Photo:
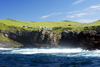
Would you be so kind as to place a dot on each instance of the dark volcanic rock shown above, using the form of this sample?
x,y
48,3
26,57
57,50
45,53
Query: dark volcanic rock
x,y
45,38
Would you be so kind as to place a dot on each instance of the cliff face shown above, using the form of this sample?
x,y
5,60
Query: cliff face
x,y
86,39
44,38
38,38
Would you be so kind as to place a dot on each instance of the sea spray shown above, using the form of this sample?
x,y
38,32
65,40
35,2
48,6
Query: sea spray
x,y
48,57
56,51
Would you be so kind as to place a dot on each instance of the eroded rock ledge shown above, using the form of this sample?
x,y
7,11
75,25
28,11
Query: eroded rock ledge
x,y
44,38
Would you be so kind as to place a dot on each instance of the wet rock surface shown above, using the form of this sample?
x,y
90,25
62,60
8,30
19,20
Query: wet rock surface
x,y
88,40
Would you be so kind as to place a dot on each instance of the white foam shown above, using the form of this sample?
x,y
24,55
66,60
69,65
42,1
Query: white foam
x,y
7,48
42,50
75,52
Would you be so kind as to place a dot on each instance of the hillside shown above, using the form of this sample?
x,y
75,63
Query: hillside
x,y
8,43
23,35
11,24
96,23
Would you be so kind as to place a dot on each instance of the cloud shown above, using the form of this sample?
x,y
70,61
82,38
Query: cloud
x,y
80,14
92,8
71,16
73,12
79,1
43,17
87,11
95,7
77,15
86,14
58,13
86,20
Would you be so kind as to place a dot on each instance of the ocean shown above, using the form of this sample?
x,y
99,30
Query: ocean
x,y
48,57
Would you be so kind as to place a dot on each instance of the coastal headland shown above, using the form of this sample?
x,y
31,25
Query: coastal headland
x,y
85,36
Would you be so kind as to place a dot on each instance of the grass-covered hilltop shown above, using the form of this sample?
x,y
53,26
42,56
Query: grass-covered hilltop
x,y
11,24
15,33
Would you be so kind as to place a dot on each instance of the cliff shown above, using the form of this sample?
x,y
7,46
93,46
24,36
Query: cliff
x,y
44,38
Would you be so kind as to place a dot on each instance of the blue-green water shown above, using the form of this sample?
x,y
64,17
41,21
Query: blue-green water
x,y
51,57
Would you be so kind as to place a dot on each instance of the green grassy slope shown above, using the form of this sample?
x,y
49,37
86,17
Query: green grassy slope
x,y
96,23
8,43
11,24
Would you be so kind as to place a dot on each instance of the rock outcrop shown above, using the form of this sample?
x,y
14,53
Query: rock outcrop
x,y
85,39
44,38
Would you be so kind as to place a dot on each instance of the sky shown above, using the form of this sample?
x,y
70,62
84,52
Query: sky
x,y
85,11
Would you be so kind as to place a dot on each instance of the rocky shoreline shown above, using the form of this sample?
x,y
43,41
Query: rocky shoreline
x,y
88,40
9,45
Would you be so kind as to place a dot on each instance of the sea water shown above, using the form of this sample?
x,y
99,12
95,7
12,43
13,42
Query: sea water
x,y
48,57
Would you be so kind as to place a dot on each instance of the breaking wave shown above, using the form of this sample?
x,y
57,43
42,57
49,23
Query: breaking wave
x,y
54,51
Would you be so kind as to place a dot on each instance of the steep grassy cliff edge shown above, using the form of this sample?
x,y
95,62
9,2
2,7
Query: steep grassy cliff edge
x,y
14,33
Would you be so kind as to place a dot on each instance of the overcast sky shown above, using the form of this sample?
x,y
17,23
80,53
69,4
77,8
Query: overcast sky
x,y
51,10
